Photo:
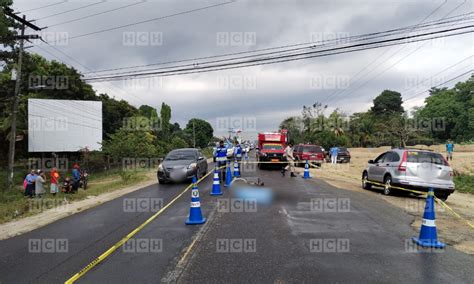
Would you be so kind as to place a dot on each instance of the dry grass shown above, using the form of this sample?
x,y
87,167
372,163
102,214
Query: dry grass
x,y
451,229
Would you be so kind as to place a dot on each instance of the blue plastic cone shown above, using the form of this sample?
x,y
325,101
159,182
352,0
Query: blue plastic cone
x,y
216,184
306,170
195,214
428,235
236,169
228,175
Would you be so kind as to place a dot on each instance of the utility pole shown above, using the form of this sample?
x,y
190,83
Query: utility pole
x,y
22,37
194,136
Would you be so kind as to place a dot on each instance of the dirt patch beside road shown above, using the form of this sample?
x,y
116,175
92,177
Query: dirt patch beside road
x,y
451,229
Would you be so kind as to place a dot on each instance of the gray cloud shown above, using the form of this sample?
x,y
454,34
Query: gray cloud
x,y
268,93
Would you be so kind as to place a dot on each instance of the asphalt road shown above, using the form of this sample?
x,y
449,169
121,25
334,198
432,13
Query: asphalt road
x,y
311,232
93,231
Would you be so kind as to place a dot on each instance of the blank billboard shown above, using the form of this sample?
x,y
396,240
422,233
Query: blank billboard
x,y
64,125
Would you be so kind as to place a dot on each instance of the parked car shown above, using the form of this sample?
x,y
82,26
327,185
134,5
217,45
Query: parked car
x,y
182,164
343,156
312,153
410,168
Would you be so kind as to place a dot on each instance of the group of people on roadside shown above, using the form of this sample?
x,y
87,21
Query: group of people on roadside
x,y
220,154
34,182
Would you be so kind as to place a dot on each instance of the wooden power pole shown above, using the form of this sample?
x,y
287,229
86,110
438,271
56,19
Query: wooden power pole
x,y
11,150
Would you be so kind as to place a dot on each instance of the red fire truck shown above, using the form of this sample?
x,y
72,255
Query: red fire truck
x,y
271,146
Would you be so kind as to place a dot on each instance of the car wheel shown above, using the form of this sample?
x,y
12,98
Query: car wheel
x,y
443,196
161,181
387,189
365,181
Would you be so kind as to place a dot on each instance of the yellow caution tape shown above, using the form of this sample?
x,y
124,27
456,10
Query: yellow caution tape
x,y
108,252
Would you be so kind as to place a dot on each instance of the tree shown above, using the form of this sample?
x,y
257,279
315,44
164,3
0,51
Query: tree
x,y
165,117
294,126
200,131
6,32
387,103
131,144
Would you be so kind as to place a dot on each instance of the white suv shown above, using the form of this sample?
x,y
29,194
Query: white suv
x,y
410,168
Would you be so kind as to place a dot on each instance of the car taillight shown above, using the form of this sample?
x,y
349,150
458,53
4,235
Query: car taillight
x,y
403,164
445,161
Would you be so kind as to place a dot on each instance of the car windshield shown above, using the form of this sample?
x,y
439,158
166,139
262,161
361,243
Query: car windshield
x,y
425,157
312,149
180,155
342,149
272,147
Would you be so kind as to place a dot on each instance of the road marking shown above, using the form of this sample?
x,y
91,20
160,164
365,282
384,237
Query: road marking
x,y
173,275
108,252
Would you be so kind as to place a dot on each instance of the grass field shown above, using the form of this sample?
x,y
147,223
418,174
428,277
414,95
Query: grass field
x,y
14,205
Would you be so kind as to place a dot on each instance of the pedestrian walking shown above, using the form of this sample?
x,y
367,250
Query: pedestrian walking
x,y
288,154
333,152
54,176
449,150
39,184
30,184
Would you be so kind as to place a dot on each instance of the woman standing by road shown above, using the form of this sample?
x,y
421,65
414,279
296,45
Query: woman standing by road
x,y
39,187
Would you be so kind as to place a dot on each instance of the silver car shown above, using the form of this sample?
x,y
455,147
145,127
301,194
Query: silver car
x,y
410,168
182,164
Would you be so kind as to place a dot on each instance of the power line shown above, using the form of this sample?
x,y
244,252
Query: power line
x,y
68,122
338,92
72,10
398,40
457,18
111,86
441,84
312,46
439,72
41,7
96,14
152,20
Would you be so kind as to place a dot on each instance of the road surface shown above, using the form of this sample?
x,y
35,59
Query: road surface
x,y
311,232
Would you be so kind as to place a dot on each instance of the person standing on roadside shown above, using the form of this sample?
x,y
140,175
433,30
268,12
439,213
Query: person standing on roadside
x,y
39,181
221,159
76,178
288,154
238,153
333,152
30,184
449,150
54,175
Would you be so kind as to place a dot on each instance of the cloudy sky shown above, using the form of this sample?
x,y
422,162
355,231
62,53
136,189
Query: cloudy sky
x,y
256,97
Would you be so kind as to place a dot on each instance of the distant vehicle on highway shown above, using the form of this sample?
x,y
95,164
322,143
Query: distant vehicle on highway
x,y
343,156
271,146
182,164
410,168
309,152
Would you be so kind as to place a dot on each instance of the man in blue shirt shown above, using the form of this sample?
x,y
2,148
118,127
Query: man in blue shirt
x,y
221,159
449,149
333,152
30,184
